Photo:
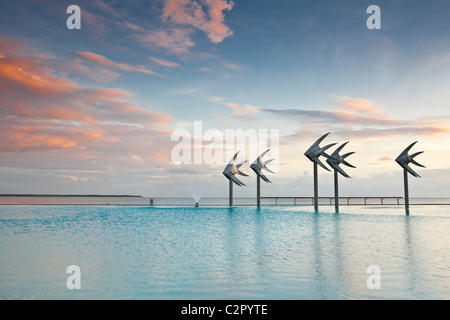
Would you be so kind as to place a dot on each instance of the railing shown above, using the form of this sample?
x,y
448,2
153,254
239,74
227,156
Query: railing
x,y
332,199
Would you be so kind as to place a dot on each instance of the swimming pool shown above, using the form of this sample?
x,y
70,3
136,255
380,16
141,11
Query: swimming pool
x,y
132,252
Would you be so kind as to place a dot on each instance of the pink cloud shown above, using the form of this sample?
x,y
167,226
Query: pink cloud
x,y
76,67
114,65
43,112
238,110
10,47
207,16
174,40
358,105
181,18
358,118
165,63
27,74
242,110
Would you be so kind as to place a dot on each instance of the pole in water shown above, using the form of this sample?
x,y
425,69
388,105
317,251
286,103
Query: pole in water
x,y
258,191
258,166
336,191
334,161
313,154
230,200
403,160
405,184
230,172
316,189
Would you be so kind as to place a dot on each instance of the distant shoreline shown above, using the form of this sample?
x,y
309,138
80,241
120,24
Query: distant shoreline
x,y
70,195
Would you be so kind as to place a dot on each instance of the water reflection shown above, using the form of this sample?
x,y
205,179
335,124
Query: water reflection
x,y
329,268
224,253
318,266
260,239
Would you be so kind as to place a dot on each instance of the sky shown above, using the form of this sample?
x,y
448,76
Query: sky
x,y
95,110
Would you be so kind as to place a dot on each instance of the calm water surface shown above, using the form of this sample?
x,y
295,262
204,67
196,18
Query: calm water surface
x,y
132,252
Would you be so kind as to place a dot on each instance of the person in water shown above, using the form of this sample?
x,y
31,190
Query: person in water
x,y
196,205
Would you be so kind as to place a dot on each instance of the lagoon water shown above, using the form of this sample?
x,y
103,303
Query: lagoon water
x,y
142,252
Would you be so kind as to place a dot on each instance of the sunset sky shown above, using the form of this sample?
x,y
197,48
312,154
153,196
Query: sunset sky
x,y
92,111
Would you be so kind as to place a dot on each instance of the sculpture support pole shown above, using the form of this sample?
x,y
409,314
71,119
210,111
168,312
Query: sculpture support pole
x,y
316,197
230,201
258,191
405,182
336,191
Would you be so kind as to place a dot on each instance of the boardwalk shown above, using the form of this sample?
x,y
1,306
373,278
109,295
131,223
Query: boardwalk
x,y
342,200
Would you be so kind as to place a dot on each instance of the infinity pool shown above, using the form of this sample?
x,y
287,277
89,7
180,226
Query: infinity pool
x,y
126,252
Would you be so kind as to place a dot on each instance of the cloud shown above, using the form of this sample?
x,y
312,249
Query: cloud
x,y
30,74
230,66
209,70
242,110
206,15
44,113
137,158
97,58
165,63
102,18
18,56
173,40
76,67
181,18
221,69
438,60
238,110
216,99
358,105
357,118
10,47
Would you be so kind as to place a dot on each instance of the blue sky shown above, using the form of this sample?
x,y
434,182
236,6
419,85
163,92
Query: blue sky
x,y
138,70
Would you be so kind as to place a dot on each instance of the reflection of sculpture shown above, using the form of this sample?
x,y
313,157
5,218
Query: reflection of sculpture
x,y
334,161
403,160
258,166
230,172
313,154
